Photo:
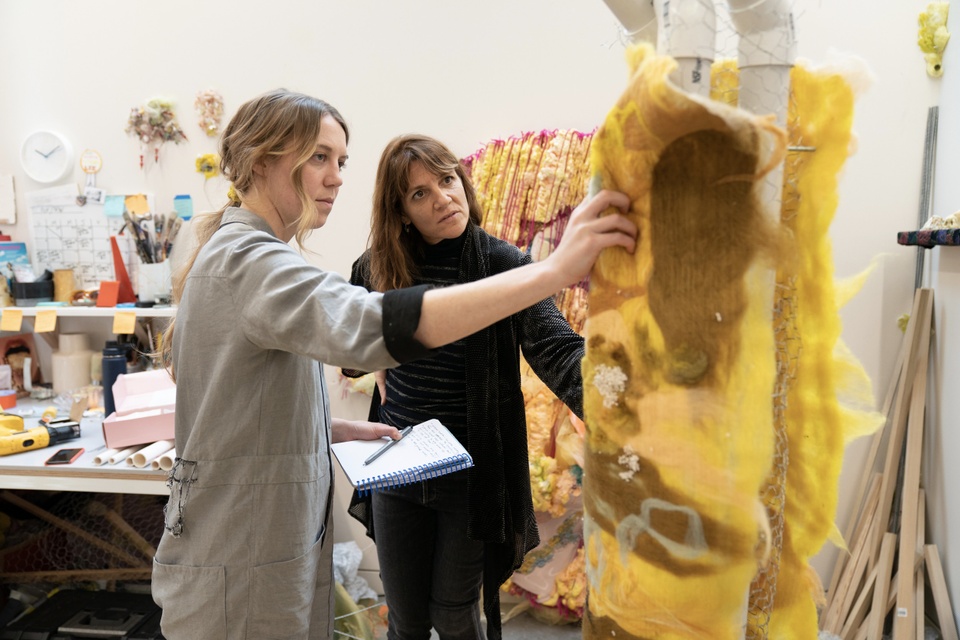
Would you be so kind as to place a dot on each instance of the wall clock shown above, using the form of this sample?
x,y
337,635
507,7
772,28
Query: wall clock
x,y
46,156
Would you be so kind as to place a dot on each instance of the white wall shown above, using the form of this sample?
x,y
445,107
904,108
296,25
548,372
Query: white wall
x,y
942,441
466,73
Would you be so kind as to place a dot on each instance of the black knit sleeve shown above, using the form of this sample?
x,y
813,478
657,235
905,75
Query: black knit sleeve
x,y
401,316
553,350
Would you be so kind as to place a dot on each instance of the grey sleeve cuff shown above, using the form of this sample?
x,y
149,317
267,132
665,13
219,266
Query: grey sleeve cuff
x,y
401,316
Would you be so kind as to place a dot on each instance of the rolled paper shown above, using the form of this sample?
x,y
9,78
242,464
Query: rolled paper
x,y
125,454
104,456
146,455
165,461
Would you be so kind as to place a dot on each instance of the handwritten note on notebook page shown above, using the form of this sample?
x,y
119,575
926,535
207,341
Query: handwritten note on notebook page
x,y
428,451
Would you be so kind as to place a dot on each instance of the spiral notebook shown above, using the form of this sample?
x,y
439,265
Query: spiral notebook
x,y
428,451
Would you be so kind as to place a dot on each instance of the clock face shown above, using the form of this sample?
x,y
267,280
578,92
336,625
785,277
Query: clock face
x,y
46,156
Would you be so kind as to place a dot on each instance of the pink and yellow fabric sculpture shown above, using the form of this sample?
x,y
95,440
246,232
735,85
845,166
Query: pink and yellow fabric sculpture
x,y
682,365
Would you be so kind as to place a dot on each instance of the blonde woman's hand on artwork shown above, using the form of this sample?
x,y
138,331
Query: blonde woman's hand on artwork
x,y
343,430
590,231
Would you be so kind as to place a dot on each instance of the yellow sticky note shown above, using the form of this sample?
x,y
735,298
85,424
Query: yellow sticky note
x,y
137,204
11,320
124,321
46,321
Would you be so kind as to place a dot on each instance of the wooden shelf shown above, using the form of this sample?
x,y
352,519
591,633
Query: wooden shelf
x,y
100,312
929,238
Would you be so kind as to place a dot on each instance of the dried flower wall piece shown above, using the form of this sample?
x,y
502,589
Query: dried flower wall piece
x,y
154,123
209,107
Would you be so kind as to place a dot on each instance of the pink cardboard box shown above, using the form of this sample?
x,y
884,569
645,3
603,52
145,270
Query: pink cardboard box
x,y
145,407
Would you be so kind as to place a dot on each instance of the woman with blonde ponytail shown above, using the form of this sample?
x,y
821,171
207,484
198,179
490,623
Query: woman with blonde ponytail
x,y
247,542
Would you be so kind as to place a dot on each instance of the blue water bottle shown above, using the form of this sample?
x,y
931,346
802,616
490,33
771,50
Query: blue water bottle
x,y
114,363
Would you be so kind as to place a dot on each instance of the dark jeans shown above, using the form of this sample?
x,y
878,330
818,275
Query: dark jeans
x,y
431,571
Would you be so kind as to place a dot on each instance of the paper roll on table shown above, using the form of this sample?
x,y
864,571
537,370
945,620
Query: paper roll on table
x,y
104,456
125,454
165,461
146,455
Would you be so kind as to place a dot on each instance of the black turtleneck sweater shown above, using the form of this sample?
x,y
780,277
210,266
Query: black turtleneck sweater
x,y
434,387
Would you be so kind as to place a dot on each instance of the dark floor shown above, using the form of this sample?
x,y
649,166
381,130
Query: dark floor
x,y
525,627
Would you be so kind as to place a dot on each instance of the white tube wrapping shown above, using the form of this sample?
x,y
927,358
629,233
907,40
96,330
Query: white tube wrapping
x,y
638,18
766,31
687,32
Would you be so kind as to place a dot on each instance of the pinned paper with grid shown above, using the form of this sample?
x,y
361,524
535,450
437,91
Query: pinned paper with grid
x,y
428,451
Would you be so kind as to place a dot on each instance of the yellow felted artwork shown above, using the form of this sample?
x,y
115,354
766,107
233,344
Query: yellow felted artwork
x,y
679,367
718,396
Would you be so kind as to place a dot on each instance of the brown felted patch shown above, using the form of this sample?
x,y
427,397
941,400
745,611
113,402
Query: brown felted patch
x,y
705,228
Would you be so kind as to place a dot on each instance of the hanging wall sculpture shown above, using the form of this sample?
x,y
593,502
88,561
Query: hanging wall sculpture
x,y
209,107
712,359
528,186
933,36
154,124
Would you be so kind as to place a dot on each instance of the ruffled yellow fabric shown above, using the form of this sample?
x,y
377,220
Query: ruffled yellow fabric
x,y
830,400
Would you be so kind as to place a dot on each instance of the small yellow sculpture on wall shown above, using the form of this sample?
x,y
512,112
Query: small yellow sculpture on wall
x,y
933,36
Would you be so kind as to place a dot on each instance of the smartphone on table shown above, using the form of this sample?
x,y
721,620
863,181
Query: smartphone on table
x,y
65,456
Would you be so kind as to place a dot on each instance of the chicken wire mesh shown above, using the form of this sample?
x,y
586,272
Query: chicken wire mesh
x,y
66,538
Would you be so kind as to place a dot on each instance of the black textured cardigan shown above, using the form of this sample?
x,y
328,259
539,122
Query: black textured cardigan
x,y
500,505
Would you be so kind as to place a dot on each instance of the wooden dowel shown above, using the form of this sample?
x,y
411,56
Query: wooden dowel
x,y
921,573
904,620
878,610
941,597
869,476
859,610
846,590
921,309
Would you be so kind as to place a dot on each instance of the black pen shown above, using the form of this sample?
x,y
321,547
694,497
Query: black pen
x,y
379,452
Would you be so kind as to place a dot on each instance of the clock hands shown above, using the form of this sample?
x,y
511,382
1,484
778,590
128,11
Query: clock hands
x,y
49,153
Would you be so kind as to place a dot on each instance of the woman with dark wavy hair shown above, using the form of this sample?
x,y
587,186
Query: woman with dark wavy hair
x,y
439,541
